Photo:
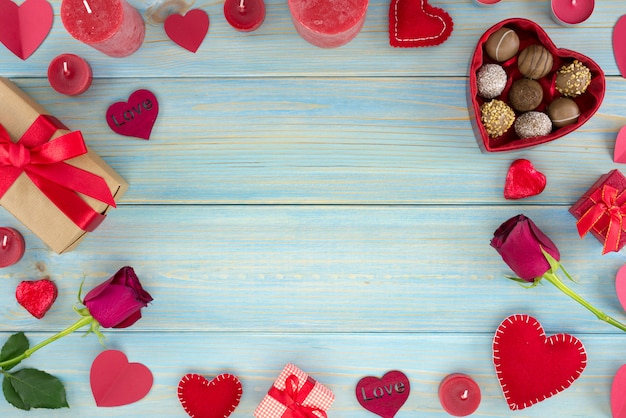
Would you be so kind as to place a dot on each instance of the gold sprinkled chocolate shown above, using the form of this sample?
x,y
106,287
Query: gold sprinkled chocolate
x,y
497,117
573,79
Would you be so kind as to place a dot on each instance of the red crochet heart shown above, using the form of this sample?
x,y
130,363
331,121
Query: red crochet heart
x,y
215,399
414,23
522,180
532,367
36,296
531,33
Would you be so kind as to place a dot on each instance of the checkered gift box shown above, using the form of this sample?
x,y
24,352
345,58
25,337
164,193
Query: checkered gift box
x,y
295,395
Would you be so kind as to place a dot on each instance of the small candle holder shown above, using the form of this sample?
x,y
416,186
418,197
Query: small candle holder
x,y
156,11
69,74
12,246
459,395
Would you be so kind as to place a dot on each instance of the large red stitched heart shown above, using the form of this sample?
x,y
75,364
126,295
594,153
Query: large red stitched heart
x,y
189,30
23,28
414,23
215,399
532,367
36,296
531,33
523,180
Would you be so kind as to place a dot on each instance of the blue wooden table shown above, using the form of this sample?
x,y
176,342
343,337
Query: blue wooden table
x,y
329,208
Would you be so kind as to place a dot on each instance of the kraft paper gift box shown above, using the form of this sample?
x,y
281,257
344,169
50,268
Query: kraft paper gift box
x,y
43,166
295,394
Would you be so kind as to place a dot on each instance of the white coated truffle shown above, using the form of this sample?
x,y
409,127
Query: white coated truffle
x,y
491,80
532,124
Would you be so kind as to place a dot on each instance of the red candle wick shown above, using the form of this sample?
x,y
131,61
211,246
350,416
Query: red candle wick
x,y
5,242
87,6
241,5
573,2
465,395
66,70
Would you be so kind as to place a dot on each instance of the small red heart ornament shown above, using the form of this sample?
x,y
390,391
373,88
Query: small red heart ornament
x,y
189,30
530,33
415,23
36,296
532,367
619,44
383,396
618,393
115,381
523,180
23,28
136,117
215,399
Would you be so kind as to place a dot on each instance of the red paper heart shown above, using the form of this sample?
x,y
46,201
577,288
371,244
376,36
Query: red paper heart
x,y
531,33
620,286
619,152
215,399
23,28
618,394
188,31
36,296
135,117
383,396
115,381
532,367
415,23
619,44
522,180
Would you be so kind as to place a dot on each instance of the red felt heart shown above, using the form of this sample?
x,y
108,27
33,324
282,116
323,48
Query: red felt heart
x,y
532,367
189,30
522,180
383,396
36,296
531,33
23,28
215,399
415,23
115,382
619,44
135,117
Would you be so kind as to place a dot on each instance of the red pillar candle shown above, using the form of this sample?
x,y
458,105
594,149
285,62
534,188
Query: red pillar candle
x,y
12,246
244,15
328,23
69,74
113,27
459,395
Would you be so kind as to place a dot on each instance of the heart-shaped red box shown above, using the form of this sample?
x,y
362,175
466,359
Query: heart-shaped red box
x,y
531,33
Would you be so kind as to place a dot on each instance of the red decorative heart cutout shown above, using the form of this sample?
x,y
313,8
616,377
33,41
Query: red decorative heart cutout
x,y
523,180
619,44
135,117
115,381
415,23
532,367
620,286
36,296
619,152
618,393
531,33
23,28
383,396
189,30
215,399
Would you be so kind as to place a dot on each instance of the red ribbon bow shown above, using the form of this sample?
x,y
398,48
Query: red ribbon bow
x,y
608,212
292,398
43,159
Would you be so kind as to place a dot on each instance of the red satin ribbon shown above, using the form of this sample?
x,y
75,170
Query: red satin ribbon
x,y
292,398
43,159
608,212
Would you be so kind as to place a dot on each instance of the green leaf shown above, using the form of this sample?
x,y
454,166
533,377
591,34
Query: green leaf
x,y
38,388
11,395
15,346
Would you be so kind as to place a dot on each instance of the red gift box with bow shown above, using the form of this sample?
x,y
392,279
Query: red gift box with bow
x,y
601,211
49,180
295,395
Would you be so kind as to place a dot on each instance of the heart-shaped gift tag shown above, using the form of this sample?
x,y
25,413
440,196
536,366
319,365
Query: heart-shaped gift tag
x,y
383,396
523,180
23,28
189,30
415,23
115,381
36,296
530,33
135,117
215,399
532,367
618,393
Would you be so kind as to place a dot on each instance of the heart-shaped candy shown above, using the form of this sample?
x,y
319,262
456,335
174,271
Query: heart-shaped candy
x,y
415,23
523,180
619,46
530,33
136,117
36,296
532,367
23,28
215,399
383,396
115,381
189,30
618,393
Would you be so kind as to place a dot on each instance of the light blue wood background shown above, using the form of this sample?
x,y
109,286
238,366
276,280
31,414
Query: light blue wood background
x,y
329,208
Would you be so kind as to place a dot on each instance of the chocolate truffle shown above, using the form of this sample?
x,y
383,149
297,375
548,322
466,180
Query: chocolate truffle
x,y
563,111
573,79
502,44
535,62
490,80
497,117
532,124
525,94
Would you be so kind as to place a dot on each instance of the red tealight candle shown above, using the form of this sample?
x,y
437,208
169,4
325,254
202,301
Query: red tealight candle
x,y
69,74
12,246
459,395
571,12
113,27
486,2
244,15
